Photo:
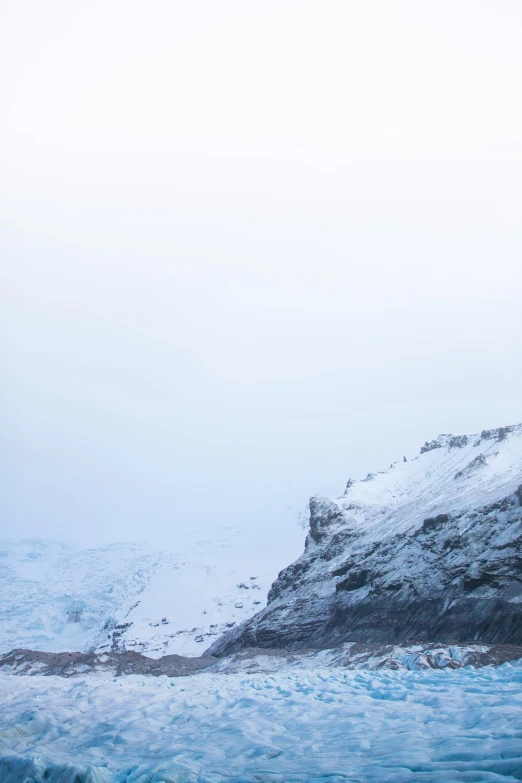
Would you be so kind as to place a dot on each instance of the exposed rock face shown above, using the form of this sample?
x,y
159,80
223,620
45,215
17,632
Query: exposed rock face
x,y
429,550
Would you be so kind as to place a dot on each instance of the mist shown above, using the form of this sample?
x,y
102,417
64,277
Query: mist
x,y
249,251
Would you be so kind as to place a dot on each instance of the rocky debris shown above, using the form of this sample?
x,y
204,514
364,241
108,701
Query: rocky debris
x,y
118,643
475,464
357,655
351,655
73,664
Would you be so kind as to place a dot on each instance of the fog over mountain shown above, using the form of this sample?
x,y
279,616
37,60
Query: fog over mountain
x,y
253,255
248,250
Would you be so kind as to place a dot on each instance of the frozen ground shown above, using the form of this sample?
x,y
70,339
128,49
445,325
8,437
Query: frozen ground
x,y
287,727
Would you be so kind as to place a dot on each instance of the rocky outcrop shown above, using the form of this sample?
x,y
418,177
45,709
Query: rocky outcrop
x,y
429,550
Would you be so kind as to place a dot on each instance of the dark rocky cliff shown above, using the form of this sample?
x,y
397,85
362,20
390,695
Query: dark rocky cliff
x,y
429,550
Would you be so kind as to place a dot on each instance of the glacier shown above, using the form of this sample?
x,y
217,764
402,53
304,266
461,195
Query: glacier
x,y
328,725
174,599
390,650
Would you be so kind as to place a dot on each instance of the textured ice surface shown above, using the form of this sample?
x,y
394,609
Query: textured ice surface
x,y
323,725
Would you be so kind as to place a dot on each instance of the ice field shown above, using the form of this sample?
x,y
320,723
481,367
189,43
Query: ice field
x,y
287,727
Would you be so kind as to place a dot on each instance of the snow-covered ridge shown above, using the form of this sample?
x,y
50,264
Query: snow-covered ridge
x,y
458,441
453,471
429,549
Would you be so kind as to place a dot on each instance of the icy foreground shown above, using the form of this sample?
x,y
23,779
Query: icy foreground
x,y
290,727
428,550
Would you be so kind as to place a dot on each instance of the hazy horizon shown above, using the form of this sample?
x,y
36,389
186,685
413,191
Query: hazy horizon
x,y
249,251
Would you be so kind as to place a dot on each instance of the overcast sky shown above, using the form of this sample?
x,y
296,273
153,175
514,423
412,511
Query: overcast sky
x,y
249,250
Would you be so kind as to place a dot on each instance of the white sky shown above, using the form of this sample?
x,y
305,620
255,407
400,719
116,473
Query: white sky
x,y
249,249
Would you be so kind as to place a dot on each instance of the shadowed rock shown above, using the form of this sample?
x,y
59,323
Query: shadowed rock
x,y
378,573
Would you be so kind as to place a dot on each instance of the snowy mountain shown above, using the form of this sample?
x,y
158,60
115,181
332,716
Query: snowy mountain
x,y
59,597
428,550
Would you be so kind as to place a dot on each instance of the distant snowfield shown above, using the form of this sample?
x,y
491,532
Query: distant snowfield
x,y
288,727
176,599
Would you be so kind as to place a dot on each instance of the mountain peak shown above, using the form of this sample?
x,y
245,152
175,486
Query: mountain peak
x,y
430,548
458,441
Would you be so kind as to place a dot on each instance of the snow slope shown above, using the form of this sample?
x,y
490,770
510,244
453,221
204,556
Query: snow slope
x,y
58,597
428,550
332,726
